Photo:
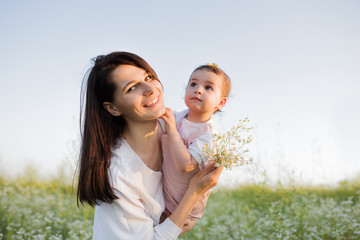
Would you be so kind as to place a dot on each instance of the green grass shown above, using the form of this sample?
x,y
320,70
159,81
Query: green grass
x,y
35,209
261,212
42,210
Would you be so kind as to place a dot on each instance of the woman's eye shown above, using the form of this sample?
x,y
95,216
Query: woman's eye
x,y
148,78
131,88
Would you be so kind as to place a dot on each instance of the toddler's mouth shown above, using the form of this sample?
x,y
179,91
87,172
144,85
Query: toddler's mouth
x,y
196,98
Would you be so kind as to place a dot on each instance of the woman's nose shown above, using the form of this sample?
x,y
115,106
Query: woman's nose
x,y
148,89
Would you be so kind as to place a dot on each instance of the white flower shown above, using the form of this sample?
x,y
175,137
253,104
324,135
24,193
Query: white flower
x,y
228,147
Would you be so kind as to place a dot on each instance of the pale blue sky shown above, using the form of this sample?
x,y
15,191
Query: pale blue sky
x,y
294,67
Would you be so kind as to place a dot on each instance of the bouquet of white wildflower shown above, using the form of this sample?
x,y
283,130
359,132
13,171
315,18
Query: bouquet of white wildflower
x,y
228,148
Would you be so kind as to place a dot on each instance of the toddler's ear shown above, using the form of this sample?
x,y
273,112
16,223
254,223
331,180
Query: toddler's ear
x,y
222,103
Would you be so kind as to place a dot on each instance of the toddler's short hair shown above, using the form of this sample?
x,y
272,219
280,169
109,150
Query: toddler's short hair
x,y
226,87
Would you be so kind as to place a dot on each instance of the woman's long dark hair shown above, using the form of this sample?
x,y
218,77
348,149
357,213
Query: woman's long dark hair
x,y
100,130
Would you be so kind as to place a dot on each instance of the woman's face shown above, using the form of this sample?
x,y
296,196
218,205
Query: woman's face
x,y
138,97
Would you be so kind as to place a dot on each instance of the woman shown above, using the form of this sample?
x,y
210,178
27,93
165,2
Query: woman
x,y
120,158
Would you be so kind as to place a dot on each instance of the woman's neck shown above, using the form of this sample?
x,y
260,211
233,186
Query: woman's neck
x,y
144,139
141,132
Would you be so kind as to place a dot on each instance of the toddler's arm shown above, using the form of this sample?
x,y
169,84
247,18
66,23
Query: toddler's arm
x,y
183,159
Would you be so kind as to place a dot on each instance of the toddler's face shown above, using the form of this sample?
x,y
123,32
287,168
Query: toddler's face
x,y
204,92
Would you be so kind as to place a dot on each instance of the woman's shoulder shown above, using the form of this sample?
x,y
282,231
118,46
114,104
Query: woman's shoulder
x,y
131,177
118,151
122,168
123,160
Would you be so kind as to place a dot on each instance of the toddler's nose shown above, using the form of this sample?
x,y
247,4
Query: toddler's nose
x,y
198,91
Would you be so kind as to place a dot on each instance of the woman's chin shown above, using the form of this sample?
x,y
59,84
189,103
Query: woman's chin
x,y
162,111
158,113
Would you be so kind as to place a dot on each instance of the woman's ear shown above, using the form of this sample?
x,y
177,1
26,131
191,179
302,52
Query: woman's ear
x,y
112,109
222,103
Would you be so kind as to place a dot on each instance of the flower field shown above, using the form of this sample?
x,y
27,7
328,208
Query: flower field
x,y
31,209
259,212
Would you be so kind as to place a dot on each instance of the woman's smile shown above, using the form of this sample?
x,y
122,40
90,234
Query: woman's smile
x,y
152,102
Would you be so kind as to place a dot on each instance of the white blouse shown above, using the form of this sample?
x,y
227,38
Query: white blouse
x,y
136,212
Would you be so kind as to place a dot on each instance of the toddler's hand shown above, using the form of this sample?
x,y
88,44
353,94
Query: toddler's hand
x,y
169,120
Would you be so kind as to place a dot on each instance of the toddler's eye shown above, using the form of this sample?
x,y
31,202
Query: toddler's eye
x,y
192,84
208,88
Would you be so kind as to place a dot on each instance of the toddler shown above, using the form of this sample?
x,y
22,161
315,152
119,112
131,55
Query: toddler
x,y
188,132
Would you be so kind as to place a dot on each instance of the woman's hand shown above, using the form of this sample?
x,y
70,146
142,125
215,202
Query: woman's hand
x,y
200,183
205,179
